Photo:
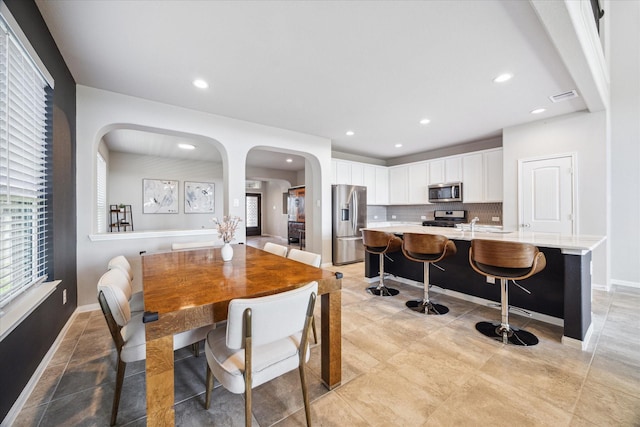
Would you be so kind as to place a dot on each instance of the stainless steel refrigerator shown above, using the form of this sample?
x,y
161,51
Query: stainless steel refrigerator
x,y
349,215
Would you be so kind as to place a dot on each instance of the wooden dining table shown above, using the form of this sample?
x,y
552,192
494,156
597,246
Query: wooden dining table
x,y
192,288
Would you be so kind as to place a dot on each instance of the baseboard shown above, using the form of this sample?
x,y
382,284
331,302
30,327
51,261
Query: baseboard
x,y
625,283
26,391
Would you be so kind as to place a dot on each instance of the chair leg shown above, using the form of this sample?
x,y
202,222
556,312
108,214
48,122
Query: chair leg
x,y
425,305
116,397
209,386
305,394
195,348
381,290
313,328
247,405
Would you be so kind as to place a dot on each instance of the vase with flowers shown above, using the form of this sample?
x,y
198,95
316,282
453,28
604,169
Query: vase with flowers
x,y
226,231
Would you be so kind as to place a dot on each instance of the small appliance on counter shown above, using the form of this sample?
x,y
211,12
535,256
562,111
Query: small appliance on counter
x,y
349,216
446,219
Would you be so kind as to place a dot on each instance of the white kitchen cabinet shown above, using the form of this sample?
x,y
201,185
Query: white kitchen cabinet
x,y
398,185
436,171
445,170
418,176
482,177
343,172
382,186
472,178
493,180
357,173
453,169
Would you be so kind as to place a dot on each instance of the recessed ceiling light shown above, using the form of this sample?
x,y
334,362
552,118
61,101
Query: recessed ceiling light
x,y
538,110
289,160
503,78
350,133
425,121
398,145
187,146
200,84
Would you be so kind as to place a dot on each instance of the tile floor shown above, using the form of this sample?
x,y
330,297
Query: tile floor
x,y
400,368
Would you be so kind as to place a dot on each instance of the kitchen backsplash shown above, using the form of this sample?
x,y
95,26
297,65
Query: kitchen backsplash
x,y
413,213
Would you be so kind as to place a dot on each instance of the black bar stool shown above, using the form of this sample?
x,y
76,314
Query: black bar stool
x,y
381,243
508,261
427,249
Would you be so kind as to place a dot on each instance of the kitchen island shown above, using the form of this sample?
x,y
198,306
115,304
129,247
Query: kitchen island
x,y
562,291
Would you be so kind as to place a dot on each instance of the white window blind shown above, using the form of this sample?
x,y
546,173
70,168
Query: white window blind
x,y
101,194
24,123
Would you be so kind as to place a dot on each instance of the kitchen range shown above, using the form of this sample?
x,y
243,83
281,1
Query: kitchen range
x,y
446,219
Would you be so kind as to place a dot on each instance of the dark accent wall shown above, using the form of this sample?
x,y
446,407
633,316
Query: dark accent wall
x,y
23,349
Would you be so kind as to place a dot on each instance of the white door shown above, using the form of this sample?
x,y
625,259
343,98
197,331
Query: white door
x,y
546,195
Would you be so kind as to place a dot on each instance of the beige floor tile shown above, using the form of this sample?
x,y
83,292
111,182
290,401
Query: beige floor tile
x,y
605,406
383,398
483,401
328,411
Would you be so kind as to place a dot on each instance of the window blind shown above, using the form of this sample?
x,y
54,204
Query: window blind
x,y
101,194
25,123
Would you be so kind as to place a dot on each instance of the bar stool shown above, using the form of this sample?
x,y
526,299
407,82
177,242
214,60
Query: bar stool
x,y
381,243
427,249
508,261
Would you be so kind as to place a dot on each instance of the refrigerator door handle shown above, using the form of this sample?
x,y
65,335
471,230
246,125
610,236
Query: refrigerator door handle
x,y
354,220
350,238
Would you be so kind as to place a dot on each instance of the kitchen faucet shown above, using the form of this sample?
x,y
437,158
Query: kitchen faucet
x,y
473,223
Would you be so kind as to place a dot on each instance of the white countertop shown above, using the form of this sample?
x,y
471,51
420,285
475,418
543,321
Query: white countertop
x,y
568,243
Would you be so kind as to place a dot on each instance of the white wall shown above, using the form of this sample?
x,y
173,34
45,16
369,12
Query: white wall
x,y
624,60
580,133
126,172
100,111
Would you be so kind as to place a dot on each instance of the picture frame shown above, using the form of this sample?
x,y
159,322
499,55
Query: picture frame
x,y
159,196
199,197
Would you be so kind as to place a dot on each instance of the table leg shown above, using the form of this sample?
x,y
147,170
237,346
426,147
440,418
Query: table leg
x,y
159,371
331,341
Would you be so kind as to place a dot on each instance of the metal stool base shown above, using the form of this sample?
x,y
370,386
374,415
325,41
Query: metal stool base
x,y
515,336
382,291
427,307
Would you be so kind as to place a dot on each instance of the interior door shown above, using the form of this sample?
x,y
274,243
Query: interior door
x,y
254,214
546,195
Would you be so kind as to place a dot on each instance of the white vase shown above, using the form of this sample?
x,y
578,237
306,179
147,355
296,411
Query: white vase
x,y
226,252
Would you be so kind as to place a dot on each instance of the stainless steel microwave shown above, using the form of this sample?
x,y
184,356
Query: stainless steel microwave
x,y
450,192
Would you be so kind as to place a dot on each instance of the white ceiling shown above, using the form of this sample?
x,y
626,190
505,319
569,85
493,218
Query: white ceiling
x,y
325,67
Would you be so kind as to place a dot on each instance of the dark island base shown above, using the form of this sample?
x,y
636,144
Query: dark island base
x,y
561,290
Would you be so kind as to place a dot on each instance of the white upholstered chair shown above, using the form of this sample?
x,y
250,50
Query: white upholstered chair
x,y
276,249
314,260
195,245
128,331
305,257
264,338
136,299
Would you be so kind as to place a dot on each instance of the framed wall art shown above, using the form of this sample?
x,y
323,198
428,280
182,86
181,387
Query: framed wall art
x,y
159,196
199,197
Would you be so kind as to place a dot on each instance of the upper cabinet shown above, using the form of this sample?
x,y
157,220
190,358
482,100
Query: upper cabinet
x,y
480,173
448,169
482,177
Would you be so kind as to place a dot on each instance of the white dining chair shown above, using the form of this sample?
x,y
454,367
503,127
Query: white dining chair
x,y
264,338
127,330
136,299
195,245
314,260
275,249
305,257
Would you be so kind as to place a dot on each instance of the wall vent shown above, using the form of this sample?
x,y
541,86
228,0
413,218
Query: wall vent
x,y
564,96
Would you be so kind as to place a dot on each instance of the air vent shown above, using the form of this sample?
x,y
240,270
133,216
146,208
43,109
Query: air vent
x,y
564,96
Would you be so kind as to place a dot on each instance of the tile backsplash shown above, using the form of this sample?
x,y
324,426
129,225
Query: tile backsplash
x,y
413,213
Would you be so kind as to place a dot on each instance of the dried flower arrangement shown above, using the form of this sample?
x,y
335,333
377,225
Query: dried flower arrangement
x,y
227,227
